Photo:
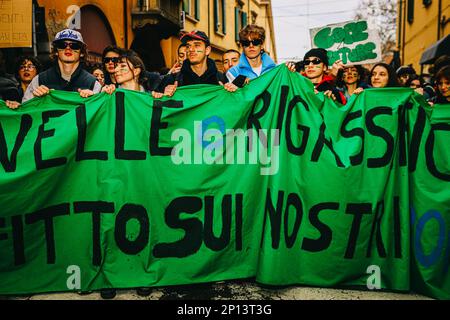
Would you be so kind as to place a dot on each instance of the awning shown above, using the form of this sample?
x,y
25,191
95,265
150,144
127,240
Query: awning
x,y
436,50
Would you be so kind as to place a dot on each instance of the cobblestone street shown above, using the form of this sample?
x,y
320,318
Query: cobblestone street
x,y
236,290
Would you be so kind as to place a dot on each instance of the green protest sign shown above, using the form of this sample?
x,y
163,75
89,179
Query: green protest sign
x,y
352,42
272,181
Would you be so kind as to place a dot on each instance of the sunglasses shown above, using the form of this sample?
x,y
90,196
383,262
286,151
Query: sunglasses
x,y
313,61
246,43
27,67
111,59
61,45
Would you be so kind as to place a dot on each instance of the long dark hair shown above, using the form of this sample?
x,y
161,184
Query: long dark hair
x,y
111,48
392,80
130,56
442,73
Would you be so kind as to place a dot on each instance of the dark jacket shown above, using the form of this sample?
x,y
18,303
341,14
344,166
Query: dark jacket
x,y
152,82
326,84
188,77
438,99
81,79
8,89
344,91
108,80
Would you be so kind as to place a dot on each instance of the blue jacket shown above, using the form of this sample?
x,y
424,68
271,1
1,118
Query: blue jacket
x,y
244,68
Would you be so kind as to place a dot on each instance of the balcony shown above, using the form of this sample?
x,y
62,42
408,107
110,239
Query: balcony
x,y
162,13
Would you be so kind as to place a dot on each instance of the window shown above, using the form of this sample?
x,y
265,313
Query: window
x,y
240,20
410,11
191,7
219,16
254,17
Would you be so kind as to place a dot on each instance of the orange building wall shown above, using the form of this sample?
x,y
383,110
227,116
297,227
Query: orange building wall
x,y
56,17
423,31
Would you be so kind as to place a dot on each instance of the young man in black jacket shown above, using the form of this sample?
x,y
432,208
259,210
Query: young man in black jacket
x,y
69,51
198,67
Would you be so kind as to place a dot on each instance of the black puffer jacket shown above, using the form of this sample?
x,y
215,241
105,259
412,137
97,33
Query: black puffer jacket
x,y
188,77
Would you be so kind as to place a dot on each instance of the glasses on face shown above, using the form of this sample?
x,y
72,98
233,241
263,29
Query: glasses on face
x,y
27,67
61,45
315,61
255,43
114,60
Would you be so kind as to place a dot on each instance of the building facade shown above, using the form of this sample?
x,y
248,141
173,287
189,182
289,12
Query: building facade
x,y
420,24
222,20
150,27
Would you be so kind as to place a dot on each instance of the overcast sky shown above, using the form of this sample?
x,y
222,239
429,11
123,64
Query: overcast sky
x,y
293,19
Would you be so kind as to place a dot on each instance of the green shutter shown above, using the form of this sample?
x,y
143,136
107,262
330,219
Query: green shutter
x,y
224,17
244,19
216,15
186,6
236,24
197,10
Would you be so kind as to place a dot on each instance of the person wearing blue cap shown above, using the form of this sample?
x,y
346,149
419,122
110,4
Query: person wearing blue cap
x,y
67,74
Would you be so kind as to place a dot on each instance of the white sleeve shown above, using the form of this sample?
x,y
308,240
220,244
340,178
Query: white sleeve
x,y
31,87
97,87
230,76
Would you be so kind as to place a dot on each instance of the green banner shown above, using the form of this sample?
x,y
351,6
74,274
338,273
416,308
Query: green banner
x,y
272,181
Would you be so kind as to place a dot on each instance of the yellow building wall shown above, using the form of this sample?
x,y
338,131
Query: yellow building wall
x,y
423,32
220,42
56,17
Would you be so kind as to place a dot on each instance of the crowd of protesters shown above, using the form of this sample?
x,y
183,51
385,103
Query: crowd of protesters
x,y
123,68
342,81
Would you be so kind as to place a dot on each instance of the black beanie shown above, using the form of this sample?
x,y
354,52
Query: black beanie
x,y
319,53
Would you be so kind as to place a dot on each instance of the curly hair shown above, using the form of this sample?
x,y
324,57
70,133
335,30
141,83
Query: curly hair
x,y
252,30
21,60
362,73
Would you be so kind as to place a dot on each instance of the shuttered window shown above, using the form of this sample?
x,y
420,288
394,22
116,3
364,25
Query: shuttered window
x,y
220,16
410,9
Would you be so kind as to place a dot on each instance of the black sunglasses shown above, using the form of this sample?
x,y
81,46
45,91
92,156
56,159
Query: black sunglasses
x,y
72,45
313,61
246,43
111,59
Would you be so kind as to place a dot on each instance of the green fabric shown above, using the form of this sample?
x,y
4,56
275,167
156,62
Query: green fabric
x,y
337,206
